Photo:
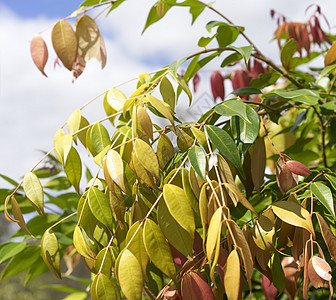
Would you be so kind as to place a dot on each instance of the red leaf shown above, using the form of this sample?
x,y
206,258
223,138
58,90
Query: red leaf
x,y
217,85
272,12
39,53
196,82
269,289
298,168
285,178
57,63
178,257
78,67
314,33
257,69
194,287
239,79
305,39
321,267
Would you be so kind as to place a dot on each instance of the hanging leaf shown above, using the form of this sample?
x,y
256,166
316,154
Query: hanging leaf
x,y
213,233
176,235
158,249
241,198
114,169
167,92
34,192
73,168
101,56
81,245
99,139
161,108
165,150
51,253
321,267
217,85
258,163
263,233
62,144
232,276
298,168
200,136
233,107
225,145
100,207
39,53
194,287
74,121
198,161
141,172
147,157
18,216
328,236
65,43
117,201
103,288
323,194
104,262
145,121
179,207
137,246
293,214
88,37
314,278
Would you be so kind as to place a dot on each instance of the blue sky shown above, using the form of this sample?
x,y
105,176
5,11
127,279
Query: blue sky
x,y
45,8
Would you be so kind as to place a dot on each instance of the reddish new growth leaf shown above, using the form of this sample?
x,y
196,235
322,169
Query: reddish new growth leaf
x,y
298,168
217,85
39,53
194,287
78,67
256,69
269,289
285,178
57,63
241,78
196,82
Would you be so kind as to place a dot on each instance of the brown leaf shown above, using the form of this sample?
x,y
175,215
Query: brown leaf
x,y
257,69
305,38
258,163
314,33
217,85
298,168
65,43
196,82
314,278
39,53
321,267
330,57
78,67
194,287
328,236
290,268
287,180
305,260
101,56
18,215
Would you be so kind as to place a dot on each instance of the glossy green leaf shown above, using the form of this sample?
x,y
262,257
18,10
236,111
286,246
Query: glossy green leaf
x,y
100,207
233,107
323,194
247,132
226,34
332,180
9,250
184,86
277,272
179,207
137,246
51,253
286,54
167,92
34,191
304,96
188,189
99,139
104,288
198,161
176,235
73,168
225,145
158,249
117,201
130,275
245,52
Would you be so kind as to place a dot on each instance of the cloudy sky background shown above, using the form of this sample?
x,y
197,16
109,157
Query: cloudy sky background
x,y
33,107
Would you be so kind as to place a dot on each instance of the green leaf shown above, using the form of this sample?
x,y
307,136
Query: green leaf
x,y
51,253
104,262
165,150
247,91
226,34
130,275
158,249
246,132
176,64
331,178
167,92
198,161
104,289
99,139
100,207
231,59
60,183
21,262
233,107
245,52
277,272
62,144
183,85
34,192
80,244
73,168
286,54
323,194
11,249
225,145
114,169
304,96
159,105
204,41
74,121
153,15
176,235
137,246
179,207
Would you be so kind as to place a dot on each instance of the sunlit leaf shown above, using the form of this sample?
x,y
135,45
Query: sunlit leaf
x,y
167,92
39,53
158,249
321,267
293,214
73,168
328,236
34,192
323,194
161,108
80,244
330,57
198,161
65,43
147,157
51,253
165,150
104,288
145,121
232,276
213,233
114,169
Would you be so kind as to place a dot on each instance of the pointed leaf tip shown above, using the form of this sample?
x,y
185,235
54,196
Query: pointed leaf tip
x,y
39,53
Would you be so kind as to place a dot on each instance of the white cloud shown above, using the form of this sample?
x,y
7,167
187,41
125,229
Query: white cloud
x,y
32,107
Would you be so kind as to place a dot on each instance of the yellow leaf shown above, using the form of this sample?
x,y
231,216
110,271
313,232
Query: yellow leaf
x,y
293,214
328,236
165,150
81,245
213,233
232,276
147,157
34,191
50,252
145,122
263,233
161,108
114,169
331,55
